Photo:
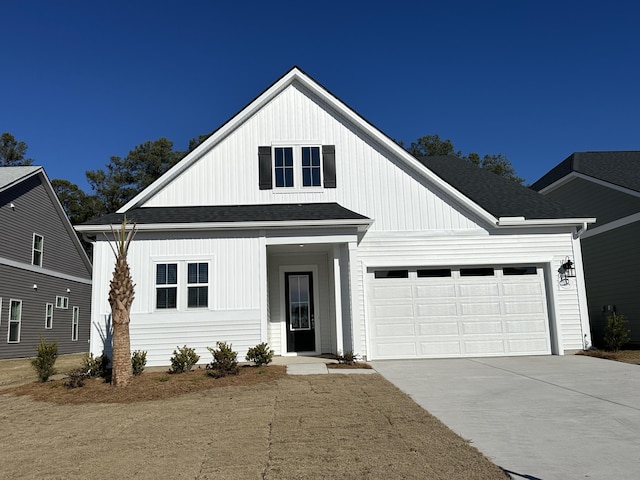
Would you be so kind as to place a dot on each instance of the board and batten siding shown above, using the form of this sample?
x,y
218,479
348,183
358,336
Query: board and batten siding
x,y
233,313
547,250
370,181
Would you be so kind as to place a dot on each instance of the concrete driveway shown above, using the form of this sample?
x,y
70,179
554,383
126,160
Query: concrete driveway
x,y
548,418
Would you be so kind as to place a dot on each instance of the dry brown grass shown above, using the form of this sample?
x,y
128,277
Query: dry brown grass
x,y
627,356
357,365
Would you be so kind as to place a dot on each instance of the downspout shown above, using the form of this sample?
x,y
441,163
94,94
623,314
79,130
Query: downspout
x,y
581,286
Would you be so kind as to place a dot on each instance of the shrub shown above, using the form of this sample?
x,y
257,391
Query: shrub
x,y
225,361
260,354
183,359
77,377
616,333
97,366
46,359
348,358
138,361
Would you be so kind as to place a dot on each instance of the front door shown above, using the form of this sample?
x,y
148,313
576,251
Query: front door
x,y
301,336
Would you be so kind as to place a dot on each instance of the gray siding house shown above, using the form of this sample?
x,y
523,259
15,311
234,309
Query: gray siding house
x,y
607,186
45,275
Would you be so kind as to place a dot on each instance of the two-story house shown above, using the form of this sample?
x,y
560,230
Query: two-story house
x,y
300,224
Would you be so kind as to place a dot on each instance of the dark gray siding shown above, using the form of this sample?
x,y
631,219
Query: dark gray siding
x,y
35,212
18,284
596,200
612,276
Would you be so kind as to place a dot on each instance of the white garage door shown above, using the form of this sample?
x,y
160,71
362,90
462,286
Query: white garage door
x,y
463,312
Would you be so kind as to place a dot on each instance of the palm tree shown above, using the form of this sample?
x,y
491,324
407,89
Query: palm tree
x,y
121,296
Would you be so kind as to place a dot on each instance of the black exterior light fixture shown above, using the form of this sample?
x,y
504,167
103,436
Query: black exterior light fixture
x,y
566,271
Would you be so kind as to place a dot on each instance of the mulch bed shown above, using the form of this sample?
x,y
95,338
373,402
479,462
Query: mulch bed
x,y
627,356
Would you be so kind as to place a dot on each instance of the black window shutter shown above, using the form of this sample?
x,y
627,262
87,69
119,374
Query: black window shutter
x,y
264,168
329,165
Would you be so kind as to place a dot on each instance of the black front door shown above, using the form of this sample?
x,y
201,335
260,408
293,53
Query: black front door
x,y
301,336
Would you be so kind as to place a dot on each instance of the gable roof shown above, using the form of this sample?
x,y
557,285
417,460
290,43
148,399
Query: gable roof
x,y
618,168
497,195
10,176
229,216
313,89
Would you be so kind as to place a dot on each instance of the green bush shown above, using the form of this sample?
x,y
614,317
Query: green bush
x,y
348,358
97,366
616,333
183,359
76,379
225,361
138,361
260,354
46,359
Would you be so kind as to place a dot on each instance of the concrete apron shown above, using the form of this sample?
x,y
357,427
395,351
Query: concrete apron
x,y
302,365
539,418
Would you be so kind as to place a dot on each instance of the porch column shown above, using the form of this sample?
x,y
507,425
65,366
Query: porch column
x,y
354,300
262,274
337,292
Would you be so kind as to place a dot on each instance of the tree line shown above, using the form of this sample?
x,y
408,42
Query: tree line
x,y
124,177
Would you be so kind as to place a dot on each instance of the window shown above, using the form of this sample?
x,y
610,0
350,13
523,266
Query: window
x,y
62,302
48,316
310,166
74,324
391,274
15,319
36,257
284,167
197,285
167,285
476,272
519,271
434,272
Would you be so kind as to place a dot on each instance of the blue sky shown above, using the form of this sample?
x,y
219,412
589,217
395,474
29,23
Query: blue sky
x,y
536,80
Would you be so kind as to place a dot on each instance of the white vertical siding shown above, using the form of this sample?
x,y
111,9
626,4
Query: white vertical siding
x,y
369,180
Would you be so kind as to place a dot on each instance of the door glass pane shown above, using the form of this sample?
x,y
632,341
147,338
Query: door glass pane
x,y
299,302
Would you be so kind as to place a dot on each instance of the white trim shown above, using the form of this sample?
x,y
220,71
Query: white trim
x,y
555,222
34,250
573,175
582,291
264,291
621,222
62,302
337,292
75,324
48,325
283,307
354,298
9,322
51,273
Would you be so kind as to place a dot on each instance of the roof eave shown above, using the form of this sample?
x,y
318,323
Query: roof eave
x,y
542,222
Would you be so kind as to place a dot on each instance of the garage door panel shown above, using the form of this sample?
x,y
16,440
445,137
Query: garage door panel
x,y
453,316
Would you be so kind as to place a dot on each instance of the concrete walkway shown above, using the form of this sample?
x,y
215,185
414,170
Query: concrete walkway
x,y
539,418
301,365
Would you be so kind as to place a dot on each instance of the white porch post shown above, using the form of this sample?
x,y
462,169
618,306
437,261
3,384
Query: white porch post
x,y
354,300
337,292
262,274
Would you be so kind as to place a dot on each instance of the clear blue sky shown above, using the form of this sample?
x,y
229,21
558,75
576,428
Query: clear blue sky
x,y
536,80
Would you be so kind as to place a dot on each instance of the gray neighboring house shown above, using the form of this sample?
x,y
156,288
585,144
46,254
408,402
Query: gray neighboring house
x,y
607,185
45,274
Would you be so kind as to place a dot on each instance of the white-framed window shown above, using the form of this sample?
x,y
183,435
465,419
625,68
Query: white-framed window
x,y
62,302
15,321
48,316
197,285
37,250
297,166
166,285
75,319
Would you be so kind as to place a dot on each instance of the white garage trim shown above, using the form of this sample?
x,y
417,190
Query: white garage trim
x,y
457,312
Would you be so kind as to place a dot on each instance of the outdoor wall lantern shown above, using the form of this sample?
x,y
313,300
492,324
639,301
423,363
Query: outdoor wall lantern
x,y
567,268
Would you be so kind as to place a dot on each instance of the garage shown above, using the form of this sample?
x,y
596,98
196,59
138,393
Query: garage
x,y
457,312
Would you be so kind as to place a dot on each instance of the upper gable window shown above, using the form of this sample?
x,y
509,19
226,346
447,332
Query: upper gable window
x,y
38,244
297,167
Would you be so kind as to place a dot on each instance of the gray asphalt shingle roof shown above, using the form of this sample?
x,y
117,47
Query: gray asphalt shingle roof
x,y
497,195
231,213
619,168
10,175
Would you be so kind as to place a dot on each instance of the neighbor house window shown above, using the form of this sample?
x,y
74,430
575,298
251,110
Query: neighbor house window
x,y
15,319
62,302
48,316
310,166
74,324
36,257
197,285
166,285
284,166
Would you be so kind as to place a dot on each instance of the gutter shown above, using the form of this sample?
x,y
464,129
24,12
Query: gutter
x,y
544,222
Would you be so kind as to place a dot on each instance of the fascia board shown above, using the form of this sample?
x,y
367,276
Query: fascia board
x,y
551,222
361,225
621,222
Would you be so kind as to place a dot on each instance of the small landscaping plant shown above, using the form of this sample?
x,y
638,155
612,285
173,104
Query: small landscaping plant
x,y
225,361
76,379
261,354
616,333
183,360
97,366
348,358
138,361
46,359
